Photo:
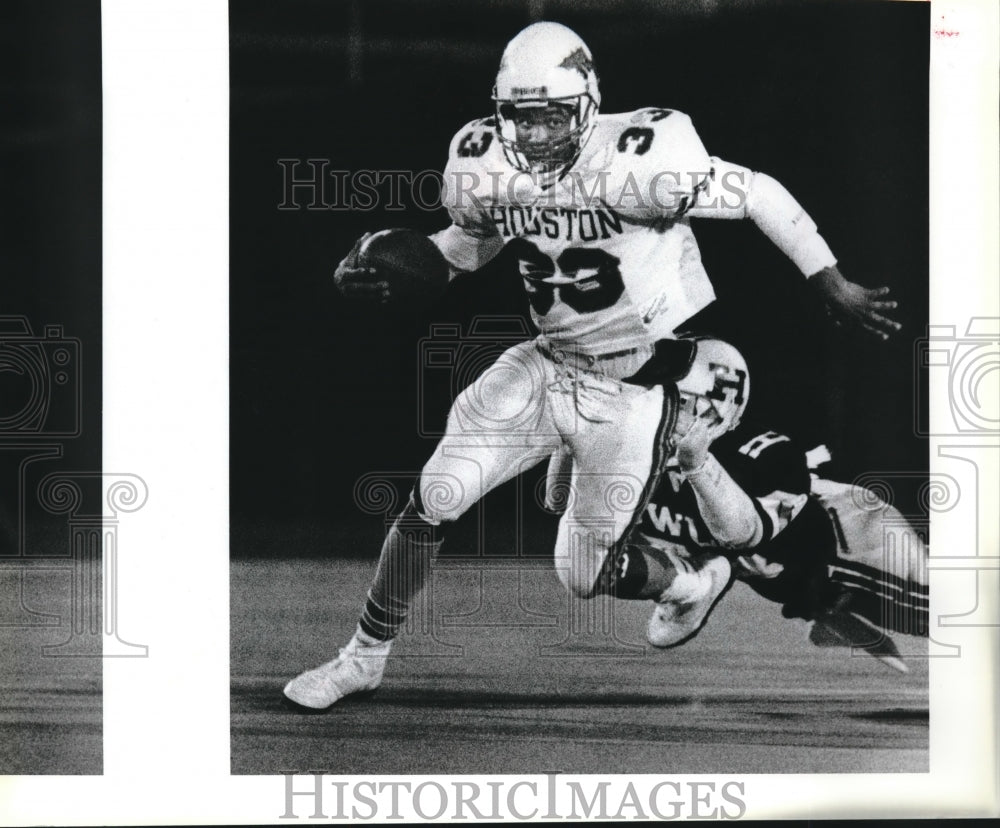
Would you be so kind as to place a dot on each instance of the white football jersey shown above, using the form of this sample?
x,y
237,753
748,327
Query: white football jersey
x,y
608,257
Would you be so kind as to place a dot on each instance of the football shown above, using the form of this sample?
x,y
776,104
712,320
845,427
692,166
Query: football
x,y
410,262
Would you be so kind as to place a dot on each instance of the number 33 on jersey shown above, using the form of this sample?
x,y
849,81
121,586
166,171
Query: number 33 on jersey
x,y
606,252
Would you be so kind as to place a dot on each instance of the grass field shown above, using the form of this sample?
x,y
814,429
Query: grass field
x,y
494,676
50,719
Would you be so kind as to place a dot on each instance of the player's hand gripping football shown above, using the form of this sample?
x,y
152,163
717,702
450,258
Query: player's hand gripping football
x,y
850,302
356,281
398,266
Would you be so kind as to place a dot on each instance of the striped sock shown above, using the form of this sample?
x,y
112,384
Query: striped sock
x,y
402,571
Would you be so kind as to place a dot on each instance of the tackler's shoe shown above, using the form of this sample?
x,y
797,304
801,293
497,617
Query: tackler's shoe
x,y
685,605
358,668
840,628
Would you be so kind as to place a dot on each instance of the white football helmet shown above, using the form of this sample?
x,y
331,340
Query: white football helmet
x,y
716,387
545,64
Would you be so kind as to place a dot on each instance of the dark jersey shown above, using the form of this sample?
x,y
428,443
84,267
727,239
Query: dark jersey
x,y
798,541
820,550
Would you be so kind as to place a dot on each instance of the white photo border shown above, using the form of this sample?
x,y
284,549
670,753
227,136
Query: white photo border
x,y
166,270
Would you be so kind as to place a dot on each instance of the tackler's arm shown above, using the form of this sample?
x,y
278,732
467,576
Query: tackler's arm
x,y
728,511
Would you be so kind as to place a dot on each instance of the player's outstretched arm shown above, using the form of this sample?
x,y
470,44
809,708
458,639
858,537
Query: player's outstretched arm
x,y
783,220
738,192
780,217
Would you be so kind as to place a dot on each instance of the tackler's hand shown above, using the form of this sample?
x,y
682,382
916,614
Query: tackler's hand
x,y
692,447
358,282
850,302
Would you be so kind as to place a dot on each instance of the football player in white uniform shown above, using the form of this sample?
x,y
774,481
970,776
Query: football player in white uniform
x,y
832,553
596,209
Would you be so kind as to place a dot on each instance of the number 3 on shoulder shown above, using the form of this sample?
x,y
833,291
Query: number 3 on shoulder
x,y
636,140
474,144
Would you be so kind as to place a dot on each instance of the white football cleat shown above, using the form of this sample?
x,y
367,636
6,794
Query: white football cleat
x,y
684,606
357,668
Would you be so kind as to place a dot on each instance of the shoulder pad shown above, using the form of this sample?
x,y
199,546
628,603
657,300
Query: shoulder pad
x,y
774,462
466,179
657,160
653,115
665,134
474,139
759,443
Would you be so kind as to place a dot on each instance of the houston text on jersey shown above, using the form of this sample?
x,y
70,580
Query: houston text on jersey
x,y
566,223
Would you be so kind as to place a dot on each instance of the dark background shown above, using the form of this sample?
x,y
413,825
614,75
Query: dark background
x,y
50,277
830,99
50,245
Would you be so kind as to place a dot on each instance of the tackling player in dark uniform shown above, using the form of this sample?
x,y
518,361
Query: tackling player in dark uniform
x,y
845,580
751,509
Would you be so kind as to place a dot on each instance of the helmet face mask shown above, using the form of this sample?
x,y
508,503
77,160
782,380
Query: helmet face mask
x,y
696,407
561,123
715,389
545,66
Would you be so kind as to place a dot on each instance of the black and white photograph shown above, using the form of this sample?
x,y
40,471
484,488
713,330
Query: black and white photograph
x,y
499,410
51,488
574,411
